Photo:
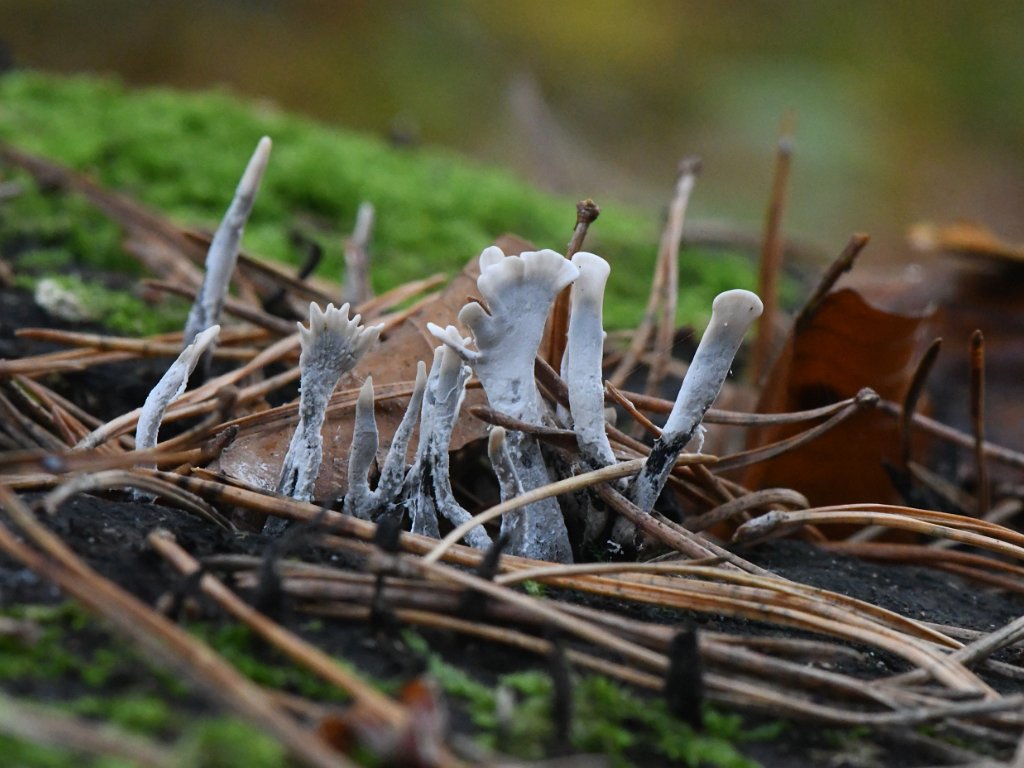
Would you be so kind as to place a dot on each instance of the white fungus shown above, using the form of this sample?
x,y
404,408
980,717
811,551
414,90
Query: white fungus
x,y
518,291
223,252
331,346
731,315
169,388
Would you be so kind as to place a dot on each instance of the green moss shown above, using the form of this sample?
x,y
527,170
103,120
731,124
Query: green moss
x,y
24,754
247,653
607,720
120,311
183,153
228,743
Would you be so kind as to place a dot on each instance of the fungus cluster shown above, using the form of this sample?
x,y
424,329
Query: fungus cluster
x,y
506,327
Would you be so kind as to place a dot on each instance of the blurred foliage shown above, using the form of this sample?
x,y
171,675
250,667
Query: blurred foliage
x,y
183,154
904,110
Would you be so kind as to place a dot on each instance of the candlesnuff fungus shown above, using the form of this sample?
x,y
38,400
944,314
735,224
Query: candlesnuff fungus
x,y
581,364
169,388
359,499
331,346
518,291
428,488
731,315
223,252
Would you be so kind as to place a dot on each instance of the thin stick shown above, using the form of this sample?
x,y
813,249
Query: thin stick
x,y
914,392
739,418
641,336
587,212
569,485
668,260
120,478
51,727
978,420
842,264
992,451
619,397
774,523
357,257
771,254
746,503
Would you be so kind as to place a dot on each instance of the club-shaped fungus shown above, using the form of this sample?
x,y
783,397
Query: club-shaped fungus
x,y
731,315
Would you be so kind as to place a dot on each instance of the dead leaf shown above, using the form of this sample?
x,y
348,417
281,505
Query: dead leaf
x,y
846,345
965,238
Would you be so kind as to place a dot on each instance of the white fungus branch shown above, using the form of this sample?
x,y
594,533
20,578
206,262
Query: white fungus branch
x,y
393,472
581,365
331,346
428,486
360,501
223,252
731,316
519,291
169,388
365,441
497,451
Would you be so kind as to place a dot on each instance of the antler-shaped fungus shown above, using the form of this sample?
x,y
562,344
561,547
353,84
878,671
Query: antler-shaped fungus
x,y
731,315
331,346
519,291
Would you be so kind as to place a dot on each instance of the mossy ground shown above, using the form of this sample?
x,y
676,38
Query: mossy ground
x,y
183,153
72,666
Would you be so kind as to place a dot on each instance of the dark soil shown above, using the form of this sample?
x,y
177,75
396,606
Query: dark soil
x,y
109,533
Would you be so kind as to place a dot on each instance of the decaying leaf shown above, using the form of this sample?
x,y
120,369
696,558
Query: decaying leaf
x,y
846,345
966,238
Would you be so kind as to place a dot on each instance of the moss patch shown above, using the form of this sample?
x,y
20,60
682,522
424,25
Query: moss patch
x,y
607,719
183,154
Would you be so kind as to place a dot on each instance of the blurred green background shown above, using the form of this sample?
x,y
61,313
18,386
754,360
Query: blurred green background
x,y
903,111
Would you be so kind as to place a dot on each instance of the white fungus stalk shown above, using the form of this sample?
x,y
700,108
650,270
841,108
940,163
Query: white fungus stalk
x,y
581,364
223,252
428,486
519,291
731,316
169,388
360,501
497,451
331,346
365,441
392,474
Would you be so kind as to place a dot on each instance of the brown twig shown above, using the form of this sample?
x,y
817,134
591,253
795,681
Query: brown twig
x,y
977,395
587,212
357,257
665,269
842,264
771,255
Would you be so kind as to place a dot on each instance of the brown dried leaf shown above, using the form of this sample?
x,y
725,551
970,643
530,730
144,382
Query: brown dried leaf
x,y
846,345
966,238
